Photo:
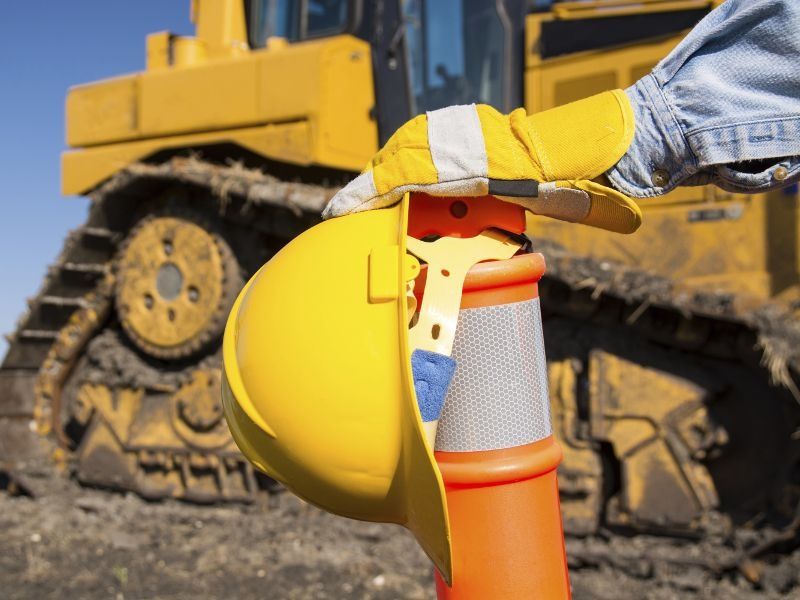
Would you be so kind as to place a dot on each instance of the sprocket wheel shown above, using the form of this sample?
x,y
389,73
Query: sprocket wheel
x,y
177,279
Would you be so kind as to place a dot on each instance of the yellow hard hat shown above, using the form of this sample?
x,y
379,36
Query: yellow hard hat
x,y
326,388
318,388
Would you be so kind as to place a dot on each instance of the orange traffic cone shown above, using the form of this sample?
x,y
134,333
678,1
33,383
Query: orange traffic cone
x,y
494,444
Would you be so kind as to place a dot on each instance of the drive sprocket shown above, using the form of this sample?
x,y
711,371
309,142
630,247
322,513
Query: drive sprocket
x,y
177,280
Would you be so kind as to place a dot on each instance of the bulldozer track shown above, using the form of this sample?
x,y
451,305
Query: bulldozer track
x,y
758,335
77,297
75,304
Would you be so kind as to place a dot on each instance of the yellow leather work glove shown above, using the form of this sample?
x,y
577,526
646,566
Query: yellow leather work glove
x,y
545,162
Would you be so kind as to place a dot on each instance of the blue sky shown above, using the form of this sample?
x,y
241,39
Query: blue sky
x,y
44,48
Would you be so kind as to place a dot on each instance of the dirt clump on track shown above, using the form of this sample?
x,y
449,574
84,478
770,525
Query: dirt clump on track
x,y
76,542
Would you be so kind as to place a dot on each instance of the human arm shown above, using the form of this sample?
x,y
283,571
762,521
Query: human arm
x,y
722,108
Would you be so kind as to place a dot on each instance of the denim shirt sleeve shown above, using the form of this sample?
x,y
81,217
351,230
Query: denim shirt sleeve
x,y
729,93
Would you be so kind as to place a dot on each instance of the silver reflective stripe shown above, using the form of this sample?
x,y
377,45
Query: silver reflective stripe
x,y
456,141
498,397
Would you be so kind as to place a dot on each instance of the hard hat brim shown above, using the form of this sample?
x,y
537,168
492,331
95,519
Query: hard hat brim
x,y
424,488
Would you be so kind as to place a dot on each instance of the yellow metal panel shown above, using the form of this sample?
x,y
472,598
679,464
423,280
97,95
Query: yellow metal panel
x,y
288,142
158,50
554,81
723,244
289,80
221,26
84,169
348,135
658,472
188,51
569,90
214,95
783,239
293,83
102,112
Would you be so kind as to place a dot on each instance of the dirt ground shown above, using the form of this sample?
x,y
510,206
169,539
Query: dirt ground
x,y
76,542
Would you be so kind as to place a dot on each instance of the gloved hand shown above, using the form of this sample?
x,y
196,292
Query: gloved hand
x,y
545,162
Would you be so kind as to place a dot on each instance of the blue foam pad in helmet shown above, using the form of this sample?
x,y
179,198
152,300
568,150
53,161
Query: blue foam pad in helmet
x,y
432,375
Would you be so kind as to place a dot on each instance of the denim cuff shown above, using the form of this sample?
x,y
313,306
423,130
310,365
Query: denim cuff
x,y
661,156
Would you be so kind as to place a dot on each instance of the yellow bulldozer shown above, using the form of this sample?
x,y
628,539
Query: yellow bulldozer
x,y
673,353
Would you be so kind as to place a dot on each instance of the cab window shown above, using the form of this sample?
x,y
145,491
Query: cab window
x,y
325,17
457,52
295,20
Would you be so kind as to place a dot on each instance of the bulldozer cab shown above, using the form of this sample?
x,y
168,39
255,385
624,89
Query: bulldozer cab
x,y
426,54
430,54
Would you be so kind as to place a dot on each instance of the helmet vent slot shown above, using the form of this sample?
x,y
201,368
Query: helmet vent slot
x,y
459,209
